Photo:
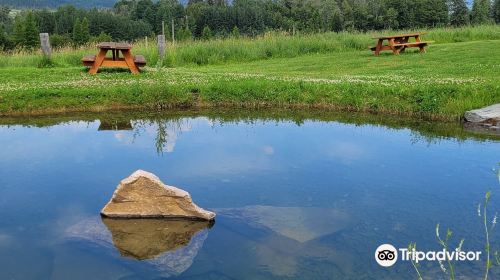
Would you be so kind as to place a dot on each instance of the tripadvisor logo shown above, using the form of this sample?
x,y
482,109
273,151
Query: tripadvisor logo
x,y
386,255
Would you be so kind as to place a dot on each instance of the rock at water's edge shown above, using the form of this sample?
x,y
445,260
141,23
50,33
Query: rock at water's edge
x,y
143,195
487,115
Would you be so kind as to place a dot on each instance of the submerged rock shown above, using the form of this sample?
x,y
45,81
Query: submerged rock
x,y
143,195
487,116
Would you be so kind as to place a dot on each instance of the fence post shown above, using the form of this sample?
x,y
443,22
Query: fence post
x,y
45,43
161,46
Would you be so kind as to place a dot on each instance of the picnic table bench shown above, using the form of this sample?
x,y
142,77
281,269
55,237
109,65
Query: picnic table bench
x,y
127,61
399,43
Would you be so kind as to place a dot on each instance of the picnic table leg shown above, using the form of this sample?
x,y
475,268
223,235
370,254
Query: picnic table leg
x,y
129,59
404,41
395,50
98,61
379,46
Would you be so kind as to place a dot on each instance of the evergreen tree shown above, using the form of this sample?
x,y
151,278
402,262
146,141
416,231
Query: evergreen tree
x,y
3,38
338,21
480,11
348,15
206,34
77,32
496,11
432,12
459,13
31,33
85,32
18,34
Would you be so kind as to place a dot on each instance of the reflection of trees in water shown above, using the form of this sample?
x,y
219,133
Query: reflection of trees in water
x,y
167,131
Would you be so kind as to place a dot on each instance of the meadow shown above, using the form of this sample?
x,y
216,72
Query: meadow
x,y
328,71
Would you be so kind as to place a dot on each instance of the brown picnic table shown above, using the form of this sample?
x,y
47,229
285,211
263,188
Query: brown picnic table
x,y
399,43
127,60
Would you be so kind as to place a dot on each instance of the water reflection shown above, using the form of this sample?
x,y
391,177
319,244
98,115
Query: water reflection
x,y
299,195
168,246
115,125
301,224
166,127
145,239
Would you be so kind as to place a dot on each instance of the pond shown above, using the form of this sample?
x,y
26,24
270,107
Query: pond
x,y
297,195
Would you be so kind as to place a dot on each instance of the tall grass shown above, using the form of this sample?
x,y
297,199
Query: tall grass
x,y
269,45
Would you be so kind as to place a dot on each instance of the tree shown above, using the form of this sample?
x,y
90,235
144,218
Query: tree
x,y
480,11
235,33
459,13
103,37
348,15
432,12
18,31
391,18
207,33
77,32
496,11
85,32
31,33
330,15
184,34
3,38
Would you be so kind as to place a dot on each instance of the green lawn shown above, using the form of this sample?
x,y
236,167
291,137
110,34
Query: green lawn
x,y
445,82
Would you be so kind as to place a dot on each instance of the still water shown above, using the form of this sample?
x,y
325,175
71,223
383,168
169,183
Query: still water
x,y
297,196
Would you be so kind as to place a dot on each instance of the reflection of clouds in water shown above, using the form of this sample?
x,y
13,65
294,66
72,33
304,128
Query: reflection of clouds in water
x,y
170,145
268,150
119,136
346,152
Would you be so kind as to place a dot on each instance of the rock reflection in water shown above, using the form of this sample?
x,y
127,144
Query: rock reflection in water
x,y
145,239
167,246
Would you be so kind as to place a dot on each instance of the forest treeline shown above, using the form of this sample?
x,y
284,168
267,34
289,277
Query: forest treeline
x,y
129,20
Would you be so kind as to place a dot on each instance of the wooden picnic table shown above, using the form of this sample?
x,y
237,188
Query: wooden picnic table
x,y
101,60
399,43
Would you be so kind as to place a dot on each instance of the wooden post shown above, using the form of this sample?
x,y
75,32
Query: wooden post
x,y
161,46
45,44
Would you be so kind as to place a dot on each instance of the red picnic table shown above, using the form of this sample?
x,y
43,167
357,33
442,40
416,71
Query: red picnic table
x,y
127,61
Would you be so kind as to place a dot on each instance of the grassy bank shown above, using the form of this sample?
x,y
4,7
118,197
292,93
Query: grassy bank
x,y
450,79
272,45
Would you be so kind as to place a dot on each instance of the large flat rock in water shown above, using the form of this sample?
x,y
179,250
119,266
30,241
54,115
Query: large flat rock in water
x,y
488,116
143,195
